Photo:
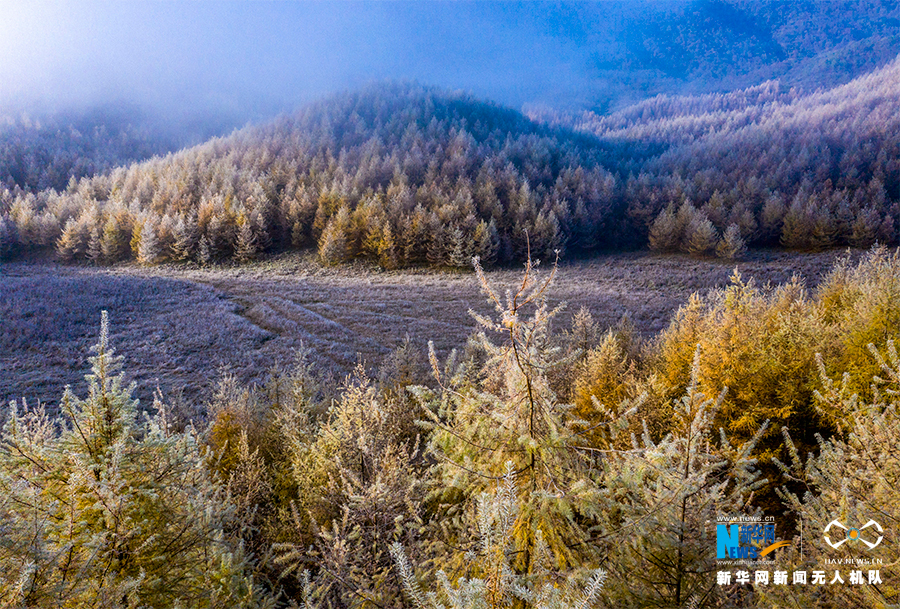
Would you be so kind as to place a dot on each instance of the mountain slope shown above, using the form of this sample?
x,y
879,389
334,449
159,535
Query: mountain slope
x,y
400,173
640,50
800,170
404,174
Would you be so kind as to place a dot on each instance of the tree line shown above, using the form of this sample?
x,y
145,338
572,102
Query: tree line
x,y
406,175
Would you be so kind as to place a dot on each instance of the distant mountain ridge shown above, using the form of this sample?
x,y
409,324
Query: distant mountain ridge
x,y
404,174
623,54
715,46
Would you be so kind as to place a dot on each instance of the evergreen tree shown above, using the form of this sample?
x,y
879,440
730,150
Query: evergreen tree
x,y
604,388
492,582
486,242
72,243
334,244
514,416
116,235
824,229
388,255
732,245
862,304
797,229
185,238
584,334
246,247
459,248
854,479
664,232
148,247
113,510
135,242
772,219
360,488
865,227
204,251
659,501
94,248
438,247
700,236
758,343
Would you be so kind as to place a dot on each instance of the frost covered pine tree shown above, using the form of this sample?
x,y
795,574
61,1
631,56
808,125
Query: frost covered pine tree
x,y
148,247
246,246
732,245
512,415
700,236
360,488
499,585
854,479
108,509
658,501
334,247
665,232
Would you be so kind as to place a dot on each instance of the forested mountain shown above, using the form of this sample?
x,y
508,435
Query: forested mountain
x,y
45,149
612,54
705,46
405,174
401,173
804,171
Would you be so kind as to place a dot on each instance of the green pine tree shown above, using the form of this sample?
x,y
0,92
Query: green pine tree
x,y
110,508
853,478
512,415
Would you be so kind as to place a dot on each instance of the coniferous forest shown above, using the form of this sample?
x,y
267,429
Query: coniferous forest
x,y
406,175
535,455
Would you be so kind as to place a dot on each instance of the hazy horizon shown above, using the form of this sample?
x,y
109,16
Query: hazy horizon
x,y
247,59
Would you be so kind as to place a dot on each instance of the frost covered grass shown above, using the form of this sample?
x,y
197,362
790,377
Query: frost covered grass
x,y
183,324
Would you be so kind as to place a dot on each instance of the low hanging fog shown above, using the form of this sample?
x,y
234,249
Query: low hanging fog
x,y
229,63
250,60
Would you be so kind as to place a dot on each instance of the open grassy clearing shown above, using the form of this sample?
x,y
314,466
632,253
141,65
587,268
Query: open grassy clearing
x,y
178,326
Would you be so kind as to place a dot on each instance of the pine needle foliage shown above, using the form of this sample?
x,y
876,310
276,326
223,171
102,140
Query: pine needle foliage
x,y
499,585
862,302
605,385
511,414
360,489
758,342
658,501
855,479
107,508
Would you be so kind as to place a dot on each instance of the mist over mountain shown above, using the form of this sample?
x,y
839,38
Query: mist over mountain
x,y
41,150
210,67
403,174
787,134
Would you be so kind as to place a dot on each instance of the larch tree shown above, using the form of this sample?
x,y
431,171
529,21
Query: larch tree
x,y
512,415
497,584
732,245
664,232
148,248
854,479
658,501
360,488
110,508
700,236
